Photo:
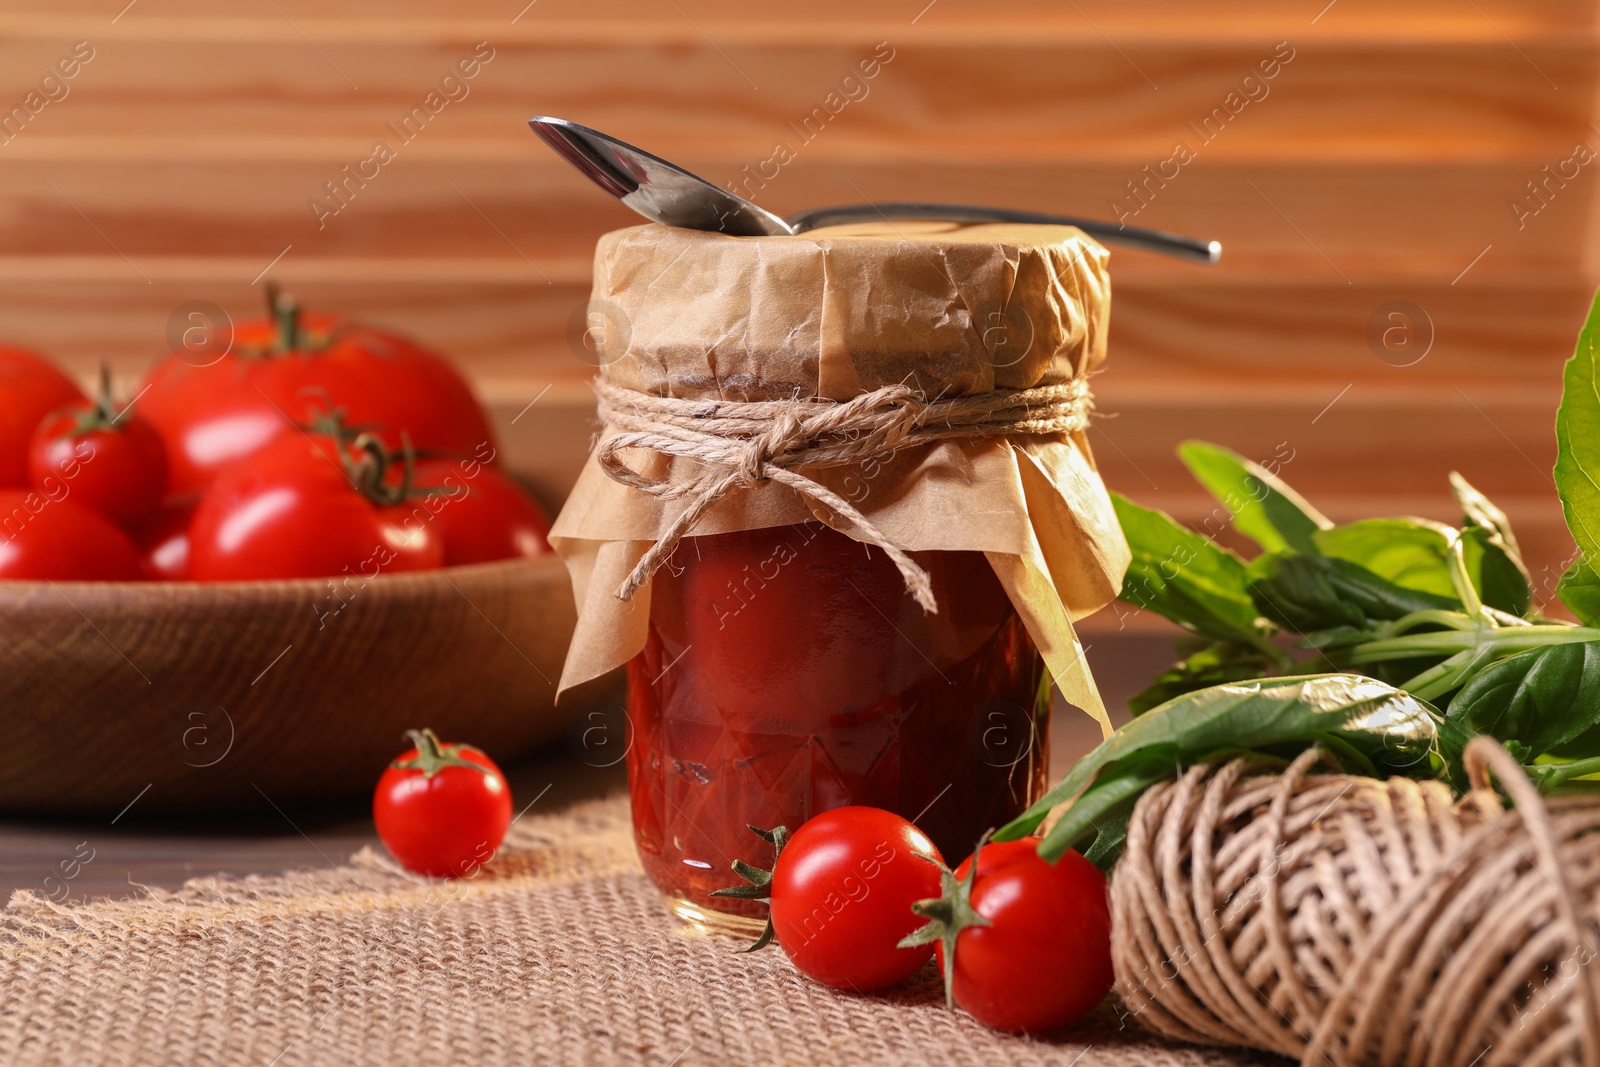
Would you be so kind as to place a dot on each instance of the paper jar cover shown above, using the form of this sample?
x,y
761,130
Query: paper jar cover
x,y
834,313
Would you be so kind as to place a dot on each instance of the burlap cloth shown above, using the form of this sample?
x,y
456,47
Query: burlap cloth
x,y
558,953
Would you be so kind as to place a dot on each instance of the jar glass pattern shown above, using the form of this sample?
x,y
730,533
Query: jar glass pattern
x,y
788,671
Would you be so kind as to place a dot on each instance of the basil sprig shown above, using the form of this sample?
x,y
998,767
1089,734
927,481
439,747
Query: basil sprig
x,y
1369,727
1388,642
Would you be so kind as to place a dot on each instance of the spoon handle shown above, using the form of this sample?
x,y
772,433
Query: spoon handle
x,y
1189,248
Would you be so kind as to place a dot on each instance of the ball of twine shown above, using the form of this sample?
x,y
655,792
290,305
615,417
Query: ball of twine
x,y
1349,921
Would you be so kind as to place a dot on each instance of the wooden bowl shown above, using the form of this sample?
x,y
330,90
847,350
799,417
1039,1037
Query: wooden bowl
x,y
198,697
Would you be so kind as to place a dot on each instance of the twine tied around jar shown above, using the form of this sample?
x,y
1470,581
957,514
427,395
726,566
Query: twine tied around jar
x,y
741,444
1358,922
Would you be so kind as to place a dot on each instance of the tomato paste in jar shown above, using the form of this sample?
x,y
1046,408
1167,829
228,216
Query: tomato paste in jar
x,y
788,671
838,523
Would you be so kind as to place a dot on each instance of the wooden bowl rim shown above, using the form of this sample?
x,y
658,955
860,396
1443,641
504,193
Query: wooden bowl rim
x,y
397,586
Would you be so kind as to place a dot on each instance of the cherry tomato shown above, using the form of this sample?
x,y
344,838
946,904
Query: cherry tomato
x,y
480,514
30,388
110,459
1044,960
841,895
307,506
163,541
214,414
60,540
441,810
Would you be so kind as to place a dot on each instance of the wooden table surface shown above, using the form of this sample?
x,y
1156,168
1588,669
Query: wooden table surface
x,y
132,852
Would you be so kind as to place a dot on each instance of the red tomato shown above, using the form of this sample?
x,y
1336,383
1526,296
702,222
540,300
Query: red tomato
x,y
30,388
441,810
841,894
303,507
163,542
1045,959
61,540
479,513
111,460
212,415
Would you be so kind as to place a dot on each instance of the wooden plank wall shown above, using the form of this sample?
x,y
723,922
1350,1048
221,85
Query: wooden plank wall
x,y
1381,163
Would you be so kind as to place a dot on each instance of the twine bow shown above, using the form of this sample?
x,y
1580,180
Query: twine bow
x,y
742,444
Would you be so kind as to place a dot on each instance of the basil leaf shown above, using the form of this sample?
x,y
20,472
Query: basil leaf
x,y
1453,740
1183,576
1415,554
1263,508
1391,729
1224,661
1479,510
1111,834
1097,822
1411,553
1577,471
1501,580
1579,590
1503,562
1315,593
1548,698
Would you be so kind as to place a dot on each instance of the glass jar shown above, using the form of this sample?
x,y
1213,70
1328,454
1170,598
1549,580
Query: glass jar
x,y
788,671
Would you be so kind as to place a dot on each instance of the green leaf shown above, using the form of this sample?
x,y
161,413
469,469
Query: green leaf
x,y
1181,575
1391,729
1223,661
1109,837
1097,822
1500,578
1415,554
1308,594
1479,510
1579,590
1501,575
1453,741
1263,508
1547,698
1411,553
1577,471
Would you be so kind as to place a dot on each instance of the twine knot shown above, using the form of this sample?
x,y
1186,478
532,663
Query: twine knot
x,y
744,444
787,434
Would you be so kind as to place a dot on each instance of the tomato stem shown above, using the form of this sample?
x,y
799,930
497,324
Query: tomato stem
x,y
370,473
103,415
948,914
368,469
104,406
433,756
284,310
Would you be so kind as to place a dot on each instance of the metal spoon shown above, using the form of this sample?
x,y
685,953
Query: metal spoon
x,y
665,192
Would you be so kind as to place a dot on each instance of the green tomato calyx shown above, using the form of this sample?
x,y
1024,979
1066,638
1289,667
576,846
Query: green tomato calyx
x,y
759,881
434,756
948,914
